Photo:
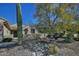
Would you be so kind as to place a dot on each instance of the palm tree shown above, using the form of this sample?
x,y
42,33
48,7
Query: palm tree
x,y
19,23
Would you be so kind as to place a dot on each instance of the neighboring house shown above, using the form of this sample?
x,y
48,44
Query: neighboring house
x,y
30,30
4,29
33,30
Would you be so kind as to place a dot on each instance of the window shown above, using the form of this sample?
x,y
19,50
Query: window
x,y
33,30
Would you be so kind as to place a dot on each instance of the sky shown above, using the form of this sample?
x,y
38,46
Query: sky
x,y
8,11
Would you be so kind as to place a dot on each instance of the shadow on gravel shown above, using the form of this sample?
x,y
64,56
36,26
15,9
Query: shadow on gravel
x,y
63,41
8,44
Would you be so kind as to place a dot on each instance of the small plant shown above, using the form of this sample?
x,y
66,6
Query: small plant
x,y
53,49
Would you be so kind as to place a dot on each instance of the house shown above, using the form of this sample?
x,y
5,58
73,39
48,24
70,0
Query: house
x,y
25,30
4,29
10,31
14,30
30,30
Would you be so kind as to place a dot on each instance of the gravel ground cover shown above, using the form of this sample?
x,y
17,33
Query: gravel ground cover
x,y
69,49
35,48
16,51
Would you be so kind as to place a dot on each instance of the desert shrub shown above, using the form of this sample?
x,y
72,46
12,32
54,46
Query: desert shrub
x,y
69,37
53,49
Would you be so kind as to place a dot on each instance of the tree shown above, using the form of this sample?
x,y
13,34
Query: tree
x,y
63,17
45,12
44,15
19,22
65,13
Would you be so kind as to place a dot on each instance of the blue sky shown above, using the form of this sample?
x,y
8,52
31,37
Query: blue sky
x,y
8,11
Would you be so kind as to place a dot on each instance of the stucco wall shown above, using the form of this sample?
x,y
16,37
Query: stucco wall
x,y
6,33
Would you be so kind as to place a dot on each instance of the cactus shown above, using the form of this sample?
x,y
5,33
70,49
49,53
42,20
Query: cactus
x,y
19,22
